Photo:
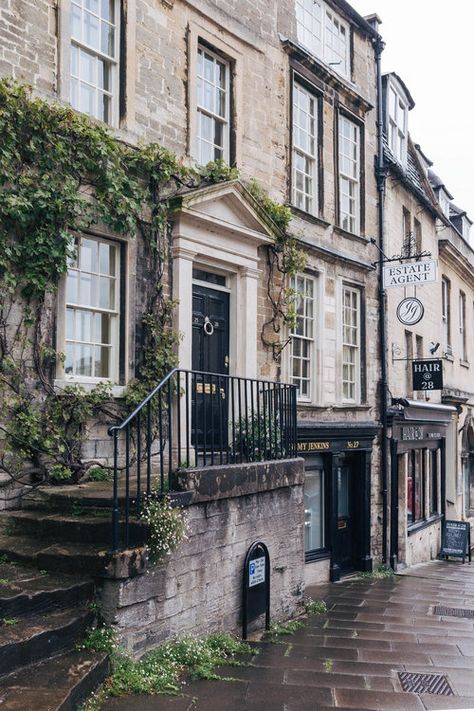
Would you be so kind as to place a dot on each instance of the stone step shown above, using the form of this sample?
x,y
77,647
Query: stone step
x,y
75,559
69,528
26,591
26,640
59,684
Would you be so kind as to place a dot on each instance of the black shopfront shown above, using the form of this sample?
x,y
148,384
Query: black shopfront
x,y
337,494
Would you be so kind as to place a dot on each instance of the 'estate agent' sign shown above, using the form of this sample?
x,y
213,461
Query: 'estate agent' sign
x,y
427,374
410,273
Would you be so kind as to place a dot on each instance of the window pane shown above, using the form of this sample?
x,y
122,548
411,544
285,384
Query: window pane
x,y
71,286
84,362
107,39
91,30
84,326
314,509
75,22
87,99
88,67
106,293
101,364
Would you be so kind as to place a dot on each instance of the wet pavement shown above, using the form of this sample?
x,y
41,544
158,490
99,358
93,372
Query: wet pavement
x,y
351,656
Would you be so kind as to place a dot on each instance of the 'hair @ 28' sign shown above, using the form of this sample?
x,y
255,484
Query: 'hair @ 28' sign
x,y
427,374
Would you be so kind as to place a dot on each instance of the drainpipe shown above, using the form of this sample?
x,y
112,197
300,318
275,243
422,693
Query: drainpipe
x,y
380,174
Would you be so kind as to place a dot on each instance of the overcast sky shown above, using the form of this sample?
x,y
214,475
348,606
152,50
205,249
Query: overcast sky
x,y
430,45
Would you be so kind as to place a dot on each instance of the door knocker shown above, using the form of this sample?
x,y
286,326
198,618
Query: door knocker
x,y
208,327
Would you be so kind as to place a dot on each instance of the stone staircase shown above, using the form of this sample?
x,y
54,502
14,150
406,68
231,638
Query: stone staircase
x,y
53,555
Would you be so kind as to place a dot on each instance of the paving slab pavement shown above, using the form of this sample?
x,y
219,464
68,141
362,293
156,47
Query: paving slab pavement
x,y
351,657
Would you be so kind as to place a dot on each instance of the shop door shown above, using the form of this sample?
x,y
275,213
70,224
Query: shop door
x,y
348,524
210,348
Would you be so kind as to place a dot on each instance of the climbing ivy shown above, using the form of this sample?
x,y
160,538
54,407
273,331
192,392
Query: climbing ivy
x,y
60,174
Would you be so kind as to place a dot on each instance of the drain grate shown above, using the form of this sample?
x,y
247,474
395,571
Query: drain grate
x,y
452,612
425,683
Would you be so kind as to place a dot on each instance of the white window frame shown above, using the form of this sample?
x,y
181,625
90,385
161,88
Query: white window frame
x,y
306,200
446,314
68,41
349,220
397,123
77,306
202,110
320,30
307,336
462,326
353,346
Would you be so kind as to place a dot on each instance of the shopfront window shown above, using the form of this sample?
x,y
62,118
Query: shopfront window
x,y
422,468
314,494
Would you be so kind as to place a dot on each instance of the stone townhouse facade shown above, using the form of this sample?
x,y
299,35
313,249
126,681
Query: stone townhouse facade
x,y
287,92
428,321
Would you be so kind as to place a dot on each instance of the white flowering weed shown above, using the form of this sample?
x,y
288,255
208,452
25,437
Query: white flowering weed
x,y
167,526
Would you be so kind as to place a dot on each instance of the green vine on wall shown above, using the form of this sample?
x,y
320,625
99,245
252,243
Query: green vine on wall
x,y
284,259
60,174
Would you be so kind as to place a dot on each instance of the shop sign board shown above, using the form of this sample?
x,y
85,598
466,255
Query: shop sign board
x,y
427,374
410,273
456,539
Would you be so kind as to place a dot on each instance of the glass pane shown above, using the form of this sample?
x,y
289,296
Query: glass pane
x,y
76,22
74,63
208,67
88,67
208,96
84,326
69,362
88,255
206,127
218,134
107,39
106,293
101,364
92,5
102,328
87,290
71,287
91,30
107,10
314,509
87,99
84,360
103,75
75,94
343,491
70,324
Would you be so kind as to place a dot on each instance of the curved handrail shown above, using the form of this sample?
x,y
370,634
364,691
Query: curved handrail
x,y
140,406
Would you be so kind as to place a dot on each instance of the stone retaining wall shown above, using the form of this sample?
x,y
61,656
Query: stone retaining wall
x,y
198,589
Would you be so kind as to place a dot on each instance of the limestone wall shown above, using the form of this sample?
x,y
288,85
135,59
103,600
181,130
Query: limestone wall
x,y
198,589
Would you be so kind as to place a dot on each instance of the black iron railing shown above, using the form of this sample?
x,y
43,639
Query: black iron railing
x,y
194,419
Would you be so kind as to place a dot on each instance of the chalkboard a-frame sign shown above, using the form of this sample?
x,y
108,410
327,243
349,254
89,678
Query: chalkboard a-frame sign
x,y
256,597
456,540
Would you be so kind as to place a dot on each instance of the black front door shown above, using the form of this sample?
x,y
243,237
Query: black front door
x,y
210,351
348,486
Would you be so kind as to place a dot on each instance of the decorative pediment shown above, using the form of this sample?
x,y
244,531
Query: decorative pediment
x,y
228,207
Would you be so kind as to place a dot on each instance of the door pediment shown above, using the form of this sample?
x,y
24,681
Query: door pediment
x,y
228,208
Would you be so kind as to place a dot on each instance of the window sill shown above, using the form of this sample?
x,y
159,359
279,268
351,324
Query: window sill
x,y
314,556
420,525
118,391
350,235
464,363
309,216
448,356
